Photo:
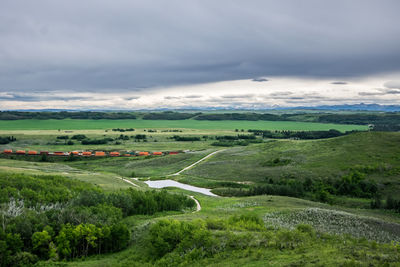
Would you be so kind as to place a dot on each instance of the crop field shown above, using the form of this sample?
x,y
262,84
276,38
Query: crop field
x,y
239,227
69,124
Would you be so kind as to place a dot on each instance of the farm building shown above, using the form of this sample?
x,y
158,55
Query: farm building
x,y
127,155
20,152
75,153
32,152
157,153
115,154
99,154
7,151
173,152
86,153
143,153
59,153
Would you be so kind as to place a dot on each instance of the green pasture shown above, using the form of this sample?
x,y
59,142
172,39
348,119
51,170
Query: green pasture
x,y
68,124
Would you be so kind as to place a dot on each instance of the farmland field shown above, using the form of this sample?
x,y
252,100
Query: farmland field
x,y
69,124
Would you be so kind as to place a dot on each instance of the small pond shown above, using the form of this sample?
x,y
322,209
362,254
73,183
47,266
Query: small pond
x,y
172,183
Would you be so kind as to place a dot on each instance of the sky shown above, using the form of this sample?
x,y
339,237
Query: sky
x,y
128,54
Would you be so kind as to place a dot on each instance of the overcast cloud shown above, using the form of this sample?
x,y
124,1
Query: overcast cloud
x,y
126,50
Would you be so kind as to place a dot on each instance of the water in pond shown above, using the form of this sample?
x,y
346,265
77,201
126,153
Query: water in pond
x,y
172,183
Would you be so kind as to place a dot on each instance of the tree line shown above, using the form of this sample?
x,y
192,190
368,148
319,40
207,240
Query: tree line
x,y
23,115
286,134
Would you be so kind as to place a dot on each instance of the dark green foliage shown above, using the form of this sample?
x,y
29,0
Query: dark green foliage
x,y
87,239
186,138
123,137
169,115
79,137
68,218
298,134
140,137
227,143
39,189
240,116
353,184
123,130
63,137
389,118
7,139
96,141
276,162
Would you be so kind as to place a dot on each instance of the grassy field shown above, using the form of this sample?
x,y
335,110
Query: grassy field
x,y
328,158
184,124
348,231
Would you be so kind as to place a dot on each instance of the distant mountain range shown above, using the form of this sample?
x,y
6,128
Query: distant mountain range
x,y
344,107
355,107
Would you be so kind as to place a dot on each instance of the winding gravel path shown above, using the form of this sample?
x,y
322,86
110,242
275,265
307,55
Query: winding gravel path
x,y
197,162
198,208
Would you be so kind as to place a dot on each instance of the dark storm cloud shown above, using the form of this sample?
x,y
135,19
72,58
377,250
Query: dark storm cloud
x,y
131,98
338,83
238,96
285,93
122,45
260,80
34,97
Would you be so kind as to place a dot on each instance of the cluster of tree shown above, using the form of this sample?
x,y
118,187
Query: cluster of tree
x,y
285,134
66,140
169,115
389,203
79,137
123,137
240,116
7,139
52,217
96,141
63,137
235,137
140,137
185,138
230,143
22,115
386,127
123,130
354,184
171,131
184,243
276,162
390,118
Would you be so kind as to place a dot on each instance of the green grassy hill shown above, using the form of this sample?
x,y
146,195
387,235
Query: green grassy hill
x,y
326,158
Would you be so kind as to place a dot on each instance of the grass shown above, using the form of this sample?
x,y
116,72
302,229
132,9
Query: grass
x,y
69,124
107,181
234,167
326,158
327,250
142,167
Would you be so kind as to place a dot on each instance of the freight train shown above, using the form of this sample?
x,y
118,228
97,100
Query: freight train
x,y
89,153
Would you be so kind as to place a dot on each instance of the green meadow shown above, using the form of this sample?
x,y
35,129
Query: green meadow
x,y
68,124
